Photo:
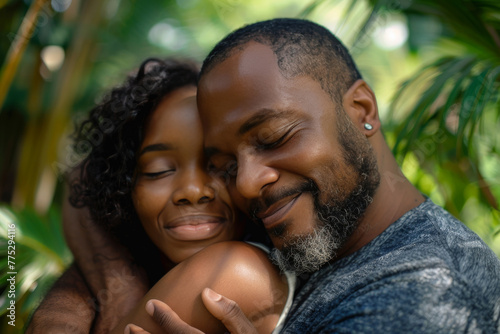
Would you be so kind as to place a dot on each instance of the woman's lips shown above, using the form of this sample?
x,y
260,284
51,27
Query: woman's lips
x,y
195,227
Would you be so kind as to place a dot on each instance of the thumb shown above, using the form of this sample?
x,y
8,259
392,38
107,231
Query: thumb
x,y
227,311
167,319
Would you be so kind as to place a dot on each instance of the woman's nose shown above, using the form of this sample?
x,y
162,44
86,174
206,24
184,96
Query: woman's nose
x,y
194,188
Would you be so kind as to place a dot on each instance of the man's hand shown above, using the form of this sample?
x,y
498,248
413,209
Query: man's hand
x,y
221,307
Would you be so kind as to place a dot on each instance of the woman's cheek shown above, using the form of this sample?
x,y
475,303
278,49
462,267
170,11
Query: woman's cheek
x,y
142,203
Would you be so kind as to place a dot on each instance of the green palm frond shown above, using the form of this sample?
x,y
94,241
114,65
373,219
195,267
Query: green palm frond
x,y
40,256
460,88
310,8
463,85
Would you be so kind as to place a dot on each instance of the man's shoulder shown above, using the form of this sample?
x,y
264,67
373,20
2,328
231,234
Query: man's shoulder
x,y
426,247
428,237
424,265
434,238
424,300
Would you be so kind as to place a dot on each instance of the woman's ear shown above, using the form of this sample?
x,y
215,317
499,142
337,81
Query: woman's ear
x,y
361,106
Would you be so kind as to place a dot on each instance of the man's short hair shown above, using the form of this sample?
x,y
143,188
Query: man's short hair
x,y
302,48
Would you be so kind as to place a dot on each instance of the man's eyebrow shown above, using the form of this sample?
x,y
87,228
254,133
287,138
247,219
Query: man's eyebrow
x,y
156,147
260,117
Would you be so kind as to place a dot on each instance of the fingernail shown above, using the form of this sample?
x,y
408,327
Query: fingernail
x,y
213,295
126,330
150,308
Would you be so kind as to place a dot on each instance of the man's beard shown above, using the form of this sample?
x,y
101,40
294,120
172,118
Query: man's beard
x,y
336,219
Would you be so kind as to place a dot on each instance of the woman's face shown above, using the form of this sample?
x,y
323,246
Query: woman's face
x,y
181,207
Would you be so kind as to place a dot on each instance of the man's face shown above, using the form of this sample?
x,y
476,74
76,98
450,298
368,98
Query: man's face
x,y
291,157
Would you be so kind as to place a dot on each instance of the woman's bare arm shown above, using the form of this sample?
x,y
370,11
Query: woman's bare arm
x,y
67,308
234,269
115,281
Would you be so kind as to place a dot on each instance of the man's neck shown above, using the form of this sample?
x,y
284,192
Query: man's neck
x,y
394,197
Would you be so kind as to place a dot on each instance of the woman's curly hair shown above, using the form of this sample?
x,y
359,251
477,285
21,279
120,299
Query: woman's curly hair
x,y
111,136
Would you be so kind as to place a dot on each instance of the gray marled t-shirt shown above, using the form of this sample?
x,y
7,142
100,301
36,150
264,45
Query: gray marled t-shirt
x,y
426,273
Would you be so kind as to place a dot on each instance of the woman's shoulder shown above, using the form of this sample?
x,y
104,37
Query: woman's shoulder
x,y
241,272
234,264
236,270
232,253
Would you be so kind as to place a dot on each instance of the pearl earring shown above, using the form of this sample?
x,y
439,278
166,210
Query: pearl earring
x,y
368,126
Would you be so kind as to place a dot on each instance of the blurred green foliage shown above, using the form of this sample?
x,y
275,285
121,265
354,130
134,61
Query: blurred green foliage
x,y
434,66
39,255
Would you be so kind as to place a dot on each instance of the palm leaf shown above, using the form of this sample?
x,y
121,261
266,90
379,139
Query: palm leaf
x,y
310,8
415,125
40,256
456,91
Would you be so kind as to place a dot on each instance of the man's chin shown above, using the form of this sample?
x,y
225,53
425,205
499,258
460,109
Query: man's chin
x,y
306,254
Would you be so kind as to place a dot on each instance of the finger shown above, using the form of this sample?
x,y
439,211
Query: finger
x,y
228,312
134,329
167,319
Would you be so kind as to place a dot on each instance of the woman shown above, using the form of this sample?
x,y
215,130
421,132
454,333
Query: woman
x,y
148,173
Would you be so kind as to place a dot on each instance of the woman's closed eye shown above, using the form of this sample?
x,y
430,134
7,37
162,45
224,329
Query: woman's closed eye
x,y
156,175
155,167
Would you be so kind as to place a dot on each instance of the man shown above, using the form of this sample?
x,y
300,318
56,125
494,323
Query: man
x,y
294,129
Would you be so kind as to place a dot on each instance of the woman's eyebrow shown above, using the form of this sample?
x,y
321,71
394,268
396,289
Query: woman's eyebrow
x,y
157,147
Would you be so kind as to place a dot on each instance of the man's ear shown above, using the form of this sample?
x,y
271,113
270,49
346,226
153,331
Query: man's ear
x,y
361,106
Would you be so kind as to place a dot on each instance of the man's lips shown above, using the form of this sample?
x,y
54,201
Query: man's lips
x,y
277,211
195,227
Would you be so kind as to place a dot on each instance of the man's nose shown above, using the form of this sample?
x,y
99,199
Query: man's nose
x,y
253,176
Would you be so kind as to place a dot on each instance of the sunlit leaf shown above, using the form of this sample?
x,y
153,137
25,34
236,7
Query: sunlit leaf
x,y
40,256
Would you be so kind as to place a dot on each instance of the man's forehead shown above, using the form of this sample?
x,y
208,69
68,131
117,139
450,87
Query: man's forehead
x,y
246,84
247,81
248,61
